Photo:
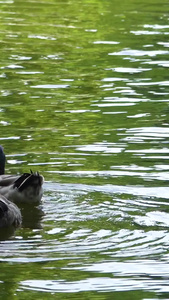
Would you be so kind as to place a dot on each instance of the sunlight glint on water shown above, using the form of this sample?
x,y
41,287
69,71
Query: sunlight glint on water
x,y
84,100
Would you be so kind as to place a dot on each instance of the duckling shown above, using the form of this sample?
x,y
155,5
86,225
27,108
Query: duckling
x,y
20,188
10,214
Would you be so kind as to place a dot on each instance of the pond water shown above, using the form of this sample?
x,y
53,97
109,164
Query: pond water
x,y
84,99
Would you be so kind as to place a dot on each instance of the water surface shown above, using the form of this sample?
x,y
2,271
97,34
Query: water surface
x,y
84,100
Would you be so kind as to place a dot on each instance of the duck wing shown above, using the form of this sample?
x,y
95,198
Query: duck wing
x,y
8,180
22,188
3,208
10,214
28,179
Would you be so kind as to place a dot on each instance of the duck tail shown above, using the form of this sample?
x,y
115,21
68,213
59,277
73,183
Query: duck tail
x,y
28,179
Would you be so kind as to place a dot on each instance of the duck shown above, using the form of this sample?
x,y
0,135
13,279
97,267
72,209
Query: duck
x,y
26,187
10,215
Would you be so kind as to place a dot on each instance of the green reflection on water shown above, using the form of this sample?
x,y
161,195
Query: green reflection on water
x,y
11,289
75,96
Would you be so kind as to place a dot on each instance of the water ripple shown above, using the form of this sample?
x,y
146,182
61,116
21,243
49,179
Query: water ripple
x,y
96,284
131,52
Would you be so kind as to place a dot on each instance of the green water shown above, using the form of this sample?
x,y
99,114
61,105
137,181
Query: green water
x,y
84,99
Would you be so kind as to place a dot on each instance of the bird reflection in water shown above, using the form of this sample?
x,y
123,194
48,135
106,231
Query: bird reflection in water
x,y
31,218
31,215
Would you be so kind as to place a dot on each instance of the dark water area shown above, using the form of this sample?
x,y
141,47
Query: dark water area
x,y
84,99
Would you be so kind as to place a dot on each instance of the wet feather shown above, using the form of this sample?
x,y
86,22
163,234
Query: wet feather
x,y
10,214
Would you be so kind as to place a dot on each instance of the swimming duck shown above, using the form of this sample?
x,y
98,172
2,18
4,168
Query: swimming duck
x,y
10,214
20,188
